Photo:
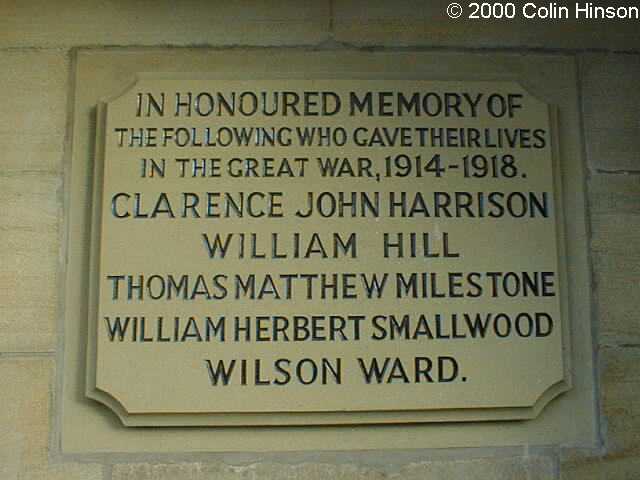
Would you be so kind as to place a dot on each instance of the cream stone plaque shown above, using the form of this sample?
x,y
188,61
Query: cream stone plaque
x,y
325,252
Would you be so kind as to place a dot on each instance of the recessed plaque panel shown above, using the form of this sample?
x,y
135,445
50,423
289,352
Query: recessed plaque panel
x,y
326,251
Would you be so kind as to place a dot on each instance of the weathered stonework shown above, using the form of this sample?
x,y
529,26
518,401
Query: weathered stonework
x,y
37,42
25,423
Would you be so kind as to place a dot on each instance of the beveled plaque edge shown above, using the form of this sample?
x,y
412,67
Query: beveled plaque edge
x,y
221,419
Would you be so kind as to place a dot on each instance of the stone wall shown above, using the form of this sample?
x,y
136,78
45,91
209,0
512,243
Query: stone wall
x,y
37,48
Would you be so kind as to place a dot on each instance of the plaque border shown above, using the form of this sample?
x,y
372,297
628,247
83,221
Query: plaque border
x,y
87,428
400,416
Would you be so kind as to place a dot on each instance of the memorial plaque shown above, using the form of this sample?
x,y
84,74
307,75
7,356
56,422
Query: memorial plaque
x,y
326,252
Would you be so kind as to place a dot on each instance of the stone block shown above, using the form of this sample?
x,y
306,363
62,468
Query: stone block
x,y
29,201
530,468
620,384
29,257
25,397
65,471
611,102
616,258
25,400
607,468
614,194
28,303
615,226
165,22
33,110
414,22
